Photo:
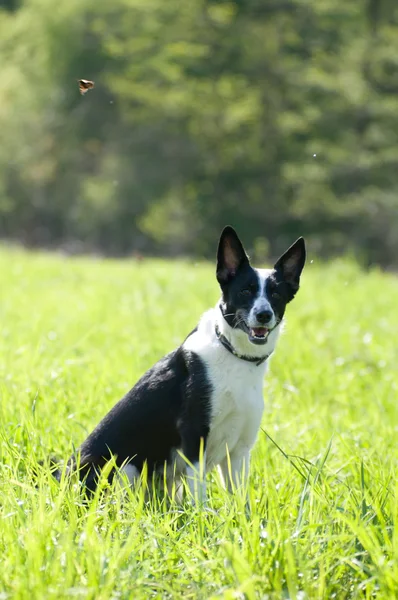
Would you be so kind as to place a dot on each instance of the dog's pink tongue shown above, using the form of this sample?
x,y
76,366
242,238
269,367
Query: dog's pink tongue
x,y
260,331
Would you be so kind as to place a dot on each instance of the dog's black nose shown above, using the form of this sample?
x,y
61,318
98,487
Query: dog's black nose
x,y
264,316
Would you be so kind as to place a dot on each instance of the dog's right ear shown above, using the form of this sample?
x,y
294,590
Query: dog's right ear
x,y
230,255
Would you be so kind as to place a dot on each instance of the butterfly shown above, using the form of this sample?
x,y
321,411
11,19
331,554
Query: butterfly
x,y
85,85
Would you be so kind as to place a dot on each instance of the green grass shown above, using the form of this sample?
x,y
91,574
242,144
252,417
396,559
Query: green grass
x,y
77,333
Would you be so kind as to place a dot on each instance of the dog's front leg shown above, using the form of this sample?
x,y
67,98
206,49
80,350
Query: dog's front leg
x,y
194,450
235,471
196,475
235,468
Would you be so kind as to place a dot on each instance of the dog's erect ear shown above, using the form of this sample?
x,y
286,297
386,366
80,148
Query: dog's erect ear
x,y
230,255
291,263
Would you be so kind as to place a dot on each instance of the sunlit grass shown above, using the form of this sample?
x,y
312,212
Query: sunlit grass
x,y
75,336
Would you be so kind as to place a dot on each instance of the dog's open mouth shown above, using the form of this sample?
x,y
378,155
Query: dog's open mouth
x,y
258,335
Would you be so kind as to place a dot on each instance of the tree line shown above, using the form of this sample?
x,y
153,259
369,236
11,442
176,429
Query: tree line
x,y
279,117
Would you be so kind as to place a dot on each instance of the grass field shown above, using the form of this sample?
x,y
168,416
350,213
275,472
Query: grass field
x,y
77,333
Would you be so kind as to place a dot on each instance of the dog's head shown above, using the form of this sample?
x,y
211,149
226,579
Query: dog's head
x,y
254,300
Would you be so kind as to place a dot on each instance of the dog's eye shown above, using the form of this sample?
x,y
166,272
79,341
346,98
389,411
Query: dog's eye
x,y
249,291
275,296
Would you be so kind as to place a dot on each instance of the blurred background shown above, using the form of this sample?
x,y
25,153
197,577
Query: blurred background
x,y
279,117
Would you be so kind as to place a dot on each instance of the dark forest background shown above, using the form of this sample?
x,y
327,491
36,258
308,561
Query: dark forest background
x,y
277,116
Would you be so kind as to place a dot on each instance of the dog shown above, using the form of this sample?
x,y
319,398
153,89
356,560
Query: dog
x,y
201,405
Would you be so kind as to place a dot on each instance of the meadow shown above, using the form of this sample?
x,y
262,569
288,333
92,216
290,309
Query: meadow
x,y
77,333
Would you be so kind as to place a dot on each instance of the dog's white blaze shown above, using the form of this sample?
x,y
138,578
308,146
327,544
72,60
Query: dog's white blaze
x,y
261,302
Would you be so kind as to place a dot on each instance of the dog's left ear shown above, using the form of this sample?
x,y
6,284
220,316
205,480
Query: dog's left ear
x,y
231,255
291,263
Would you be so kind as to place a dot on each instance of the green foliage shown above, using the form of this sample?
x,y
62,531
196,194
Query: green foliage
x,y
278,117
77,333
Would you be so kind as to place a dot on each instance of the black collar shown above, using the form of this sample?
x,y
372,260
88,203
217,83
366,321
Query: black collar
x,y
228,346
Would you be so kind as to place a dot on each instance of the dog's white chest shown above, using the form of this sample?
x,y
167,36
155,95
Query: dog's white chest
x,y
236,407
236,402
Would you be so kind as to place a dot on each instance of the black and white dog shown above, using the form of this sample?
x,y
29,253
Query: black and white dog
x,y
201,405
